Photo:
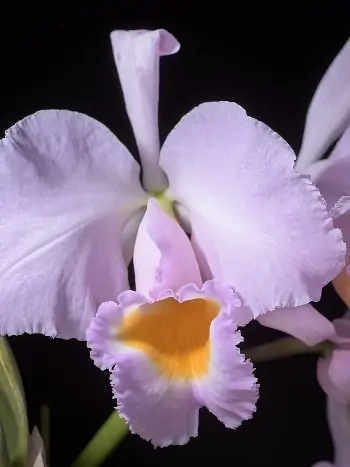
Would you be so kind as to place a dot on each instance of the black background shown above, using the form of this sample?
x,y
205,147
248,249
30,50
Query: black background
x,y
59,56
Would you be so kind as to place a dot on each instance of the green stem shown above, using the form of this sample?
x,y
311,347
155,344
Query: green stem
x,y
105,440
282,348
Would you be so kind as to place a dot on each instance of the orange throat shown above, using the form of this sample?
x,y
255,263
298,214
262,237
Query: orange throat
x,y
174,336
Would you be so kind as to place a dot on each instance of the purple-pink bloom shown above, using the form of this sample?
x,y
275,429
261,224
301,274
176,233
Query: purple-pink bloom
x,y
328,116
332,177
339,423
303,322
171,346
71,203
333,370
329,112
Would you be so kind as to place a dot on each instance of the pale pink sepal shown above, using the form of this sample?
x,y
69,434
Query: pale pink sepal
x,y
136,55
329,112
303,322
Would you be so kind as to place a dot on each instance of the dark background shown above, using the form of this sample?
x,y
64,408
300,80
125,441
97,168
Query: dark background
x,y
59,56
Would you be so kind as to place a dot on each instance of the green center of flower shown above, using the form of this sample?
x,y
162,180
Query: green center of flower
x,y
166,204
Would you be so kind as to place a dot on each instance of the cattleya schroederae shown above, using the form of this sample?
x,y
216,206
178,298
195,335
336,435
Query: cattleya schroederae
x,y
329,119
261,244
339,424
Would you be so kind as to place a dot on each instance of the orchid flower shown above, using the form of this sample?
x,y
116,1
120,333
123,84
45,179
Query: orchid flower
x,y
332,177
171,346
339,422
328,118
333,369
71,203
329,112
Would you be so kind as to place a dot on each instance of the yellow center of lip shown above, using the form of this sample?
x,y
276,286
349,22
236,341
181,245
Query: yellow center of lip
x,y
175,336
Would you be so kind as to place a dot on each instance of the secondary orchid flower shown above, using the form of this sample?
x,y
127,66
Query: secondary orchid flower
x,y
332,176
328,118
333,370
171,346
329,112
339,423
71,203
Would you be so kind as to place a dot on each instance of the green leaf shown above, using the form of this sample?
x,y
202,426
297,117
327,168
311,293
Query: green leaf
x,y
13,415
4,453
